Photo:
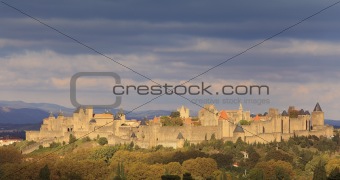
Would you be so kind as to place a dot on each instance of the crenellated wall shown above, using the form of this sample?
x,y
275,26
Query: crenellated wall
x,y
272,127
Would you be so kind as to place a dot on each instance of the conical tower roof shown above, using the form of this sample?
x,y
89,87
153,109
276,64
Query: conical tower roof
x,y
180,136
307,113
238,129
317,107
301,112
223,115
284,113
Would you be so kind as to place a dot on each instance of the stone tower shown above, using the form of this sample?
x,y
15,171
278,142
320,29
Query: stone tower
x,y
238,132
317,116
208,115
89,113
285,123
240,112
184,112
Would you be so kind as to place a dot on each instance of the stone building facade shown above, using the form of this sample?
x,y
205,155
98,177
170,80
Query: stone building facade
x,y
223,124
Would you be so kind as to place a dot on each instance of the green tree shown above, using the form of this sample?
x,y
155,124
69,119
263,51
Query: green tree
x,y
102,141
86,139
332,164
1,173
256,174
279,155
253,157
310,166
170,177
335,174
120,174
223,175
73,176
273,170
144,171
174,168
244,122
222,160
319,172
175,114
187,176
171,121
281,174
200,167
44,173
131,145
103,152
306,156
72,139
54,145
213,136
336,138
180,156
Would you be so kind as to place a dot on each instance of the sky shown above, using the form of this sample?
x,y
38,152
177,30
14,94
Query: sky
x,y
172,42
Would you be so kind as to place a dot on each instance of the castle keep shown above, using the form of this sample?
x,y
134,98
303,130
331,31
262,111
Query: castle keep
x,y
228,125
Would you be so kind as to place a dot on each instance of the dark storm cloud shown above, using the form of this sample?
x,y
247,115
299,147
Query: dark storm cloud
x,y
221,19
139,27
160,11
173,41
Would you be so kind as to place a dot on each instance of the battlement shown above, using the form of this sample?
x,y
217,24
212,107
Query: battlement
x,y
223,124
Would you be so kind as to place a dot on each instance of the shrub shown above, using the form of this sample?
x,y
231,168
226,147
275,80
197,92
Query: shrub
x,y
171,177
86,139
244,122
171,121
102,141
279,155
54,145
175,114
30,143
72,139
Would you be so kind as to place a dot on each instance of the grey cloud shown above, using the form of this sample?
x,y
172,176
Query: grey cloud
x,y
161,40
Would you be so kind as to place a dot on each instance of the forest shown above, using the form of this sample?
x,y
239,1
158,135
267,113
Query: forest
x,y
298,158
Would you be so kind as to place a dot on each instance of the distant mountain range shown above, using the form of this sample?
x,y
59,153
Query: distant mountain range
x,y
21,116
19,112
335,123
41,106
